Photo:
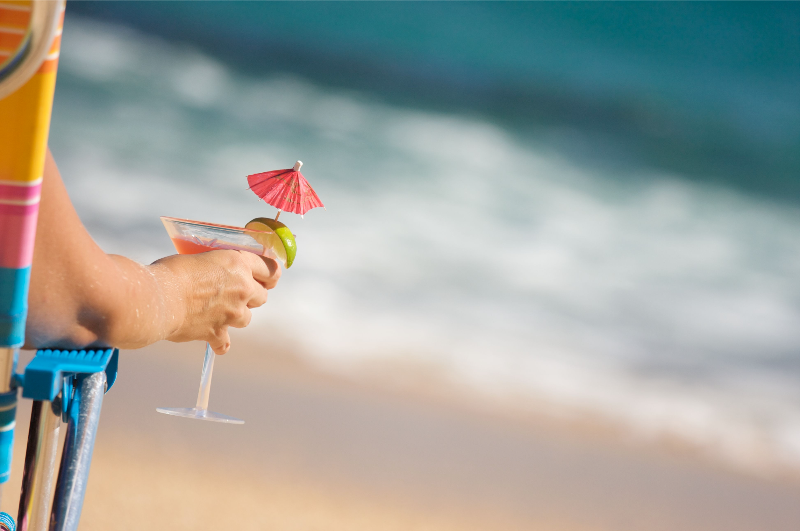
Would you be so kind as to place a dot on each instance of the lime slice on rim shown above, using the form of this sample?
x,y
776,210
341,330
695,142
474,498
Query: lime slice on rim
x,y
276,236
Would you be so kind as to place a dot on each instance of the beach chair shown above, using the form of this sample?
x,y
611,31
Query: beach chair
x,y
65,385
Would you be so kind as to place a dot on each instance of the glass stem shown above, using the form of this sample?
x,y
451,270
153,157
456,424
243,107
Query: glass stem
x,y
205,379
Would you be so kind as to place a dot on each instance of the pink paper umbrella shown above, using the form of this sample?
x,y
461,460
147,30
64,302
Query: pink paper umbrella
x,y
286,190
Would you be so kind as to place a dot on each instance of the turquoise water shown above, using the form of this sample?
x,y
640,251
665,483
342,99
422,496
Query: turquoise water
x,y
706,89
574,264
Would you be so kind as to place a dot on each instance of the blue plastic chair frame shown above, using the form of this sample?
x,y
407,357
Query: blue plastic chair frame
x,y
50,371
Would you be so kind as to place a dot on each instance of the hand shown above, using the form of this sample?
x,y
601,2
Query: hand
x,y
217,290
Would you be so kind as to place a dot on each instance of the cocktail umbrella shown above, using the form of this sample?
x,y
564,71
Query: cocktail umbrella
x,y
286,190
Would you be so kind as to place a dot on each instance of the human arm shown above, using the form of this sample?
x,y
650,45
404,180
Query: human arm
x,y
82,297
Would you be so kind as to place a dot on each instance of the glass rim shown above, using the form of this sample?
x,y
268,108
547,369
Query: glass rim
x,y
229,228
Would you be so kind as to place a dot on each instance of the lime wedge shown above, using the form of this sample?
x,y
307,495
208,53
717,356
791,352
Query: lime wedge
x,y
280,239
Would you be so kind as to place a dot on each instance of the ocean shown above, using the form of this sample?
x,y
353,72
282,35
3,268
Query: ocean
x,y
617,238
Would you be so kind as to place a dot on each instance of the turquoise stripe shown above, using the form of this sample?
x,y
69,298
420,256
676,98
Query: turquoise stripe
x,y
8,410
13,305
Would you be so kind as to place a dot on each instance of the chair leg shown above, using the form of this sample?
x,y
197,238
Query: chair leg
x,y
77,455
40,460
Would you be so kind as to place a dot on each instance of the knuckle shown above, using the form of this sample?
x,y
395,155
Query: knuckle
x,y
231,315
220,333
238,295
234,261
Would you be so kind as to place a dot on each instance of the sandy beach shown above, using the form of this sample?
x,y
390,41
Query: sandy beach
x,y
321,452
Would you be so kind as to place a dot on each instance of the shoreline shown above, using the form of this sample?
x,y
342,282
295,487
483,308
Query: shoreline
x,y
423,385
321,451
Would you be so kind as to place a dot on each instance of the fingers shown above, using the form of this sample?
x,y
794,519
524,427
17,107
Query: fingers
x,y
250,277
258,297
266,271
241,319
220,341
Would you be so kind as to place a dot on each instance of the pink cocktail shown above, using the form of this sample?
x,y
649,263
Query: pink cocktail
x,y
193,237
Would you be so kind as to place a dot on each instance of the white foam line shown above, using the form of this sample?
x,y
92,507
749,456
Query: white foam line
x,y
12,31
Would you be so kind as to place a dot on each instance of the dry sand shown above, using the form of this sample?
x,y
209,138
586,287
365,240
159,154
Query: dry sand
x,y
319,452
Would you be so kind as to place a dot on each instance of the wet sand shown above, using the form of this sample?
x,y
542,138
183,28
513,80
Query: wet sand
x,y
320,452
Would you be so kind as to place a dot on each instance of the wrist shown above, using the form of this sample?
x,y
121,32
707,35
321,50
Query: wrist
x,y
172,293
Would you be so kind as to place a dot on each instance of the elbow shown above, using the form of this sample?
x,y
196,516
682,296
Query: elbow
x,y
103,328
87,329
92,328
39,336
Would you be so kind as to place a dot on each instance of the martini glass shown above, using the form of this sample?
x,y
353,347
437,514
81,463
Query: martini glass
x,y
192,237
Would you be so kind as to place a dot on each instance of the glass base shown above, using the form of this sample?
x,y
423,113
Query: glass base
x,y
199,414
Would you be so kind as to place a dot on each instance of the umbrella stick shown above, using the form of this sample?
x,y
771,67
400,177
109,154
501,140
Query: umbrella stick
x,y
277,215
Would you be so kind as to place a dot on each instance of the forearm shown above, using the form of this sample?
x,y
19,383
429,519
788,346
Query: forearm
x,y
110,301
141,305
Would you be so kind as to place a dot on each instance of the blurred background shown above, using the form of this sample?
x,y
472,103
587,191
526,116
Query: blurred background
x,y
556,285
